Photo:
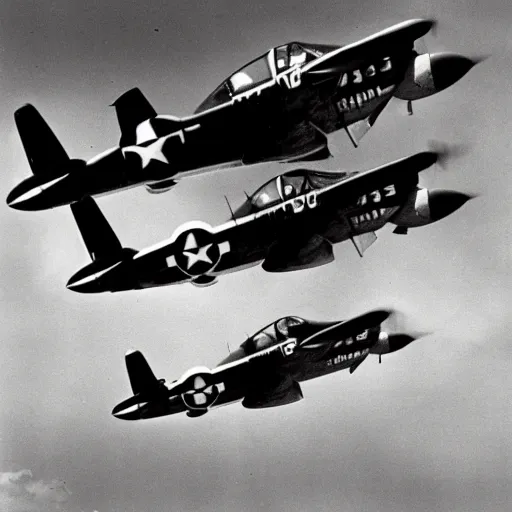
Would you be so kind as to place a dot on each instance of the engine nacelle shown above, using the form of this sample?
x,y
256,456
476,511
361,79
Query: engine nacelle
x,y
431,73
425,206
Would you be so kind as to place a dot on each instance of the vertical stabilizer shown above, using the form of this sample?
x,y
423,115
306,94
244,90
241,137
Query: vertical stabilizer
x,y
45,153
142,378
132,108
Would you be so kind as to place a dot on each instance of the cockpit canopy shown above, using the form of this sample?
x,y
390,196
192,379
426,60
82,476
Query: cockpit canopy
x,y
264,69
273,334
287,186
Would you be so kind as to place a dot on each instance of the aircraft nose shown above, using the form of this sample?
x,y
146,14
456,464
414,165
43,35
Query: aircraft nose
x,y
444,202
448,68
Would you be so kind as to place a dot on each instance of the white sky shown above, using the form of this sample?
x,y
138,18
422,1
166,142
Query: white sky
x,y
429,429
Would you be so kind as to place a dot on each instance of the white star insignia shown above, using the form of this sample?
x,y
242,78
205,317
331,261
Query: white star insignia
x,y
201,255
148,153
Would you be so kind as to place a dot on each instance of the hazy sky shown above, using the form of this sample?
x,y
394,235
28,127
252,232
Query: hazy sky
x,y
429,429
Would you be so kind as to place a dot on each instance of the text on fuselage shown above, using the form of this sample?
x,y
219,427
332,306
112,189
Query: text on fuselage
x,y
358,76
347,357
296,205
377,195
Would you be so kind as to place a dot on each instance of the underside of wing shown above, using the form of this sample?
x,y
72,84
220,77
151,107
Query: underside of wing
x,y
286,391
288,255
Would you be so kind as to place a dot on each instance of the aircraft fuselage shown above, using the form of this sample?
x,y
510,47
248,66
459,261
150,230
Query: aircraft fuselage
x,y
284,117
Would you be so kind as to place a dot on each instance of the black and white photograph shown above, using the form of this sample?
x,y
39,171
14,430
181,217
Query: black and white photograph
x,y
256,256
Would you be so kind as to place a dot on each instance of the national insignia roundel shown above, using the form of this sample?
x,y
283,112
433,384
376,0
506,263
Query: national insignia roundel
x,y
196,252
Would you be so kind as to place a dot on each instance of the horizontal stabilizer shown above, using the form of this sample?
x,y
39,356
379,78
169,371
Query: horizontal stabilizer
x,y
142,378
132,108
45,153
99,238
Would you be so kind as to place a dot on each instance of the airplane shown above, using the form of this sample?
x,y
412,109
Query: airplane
x,y
278,108
265,371
290,223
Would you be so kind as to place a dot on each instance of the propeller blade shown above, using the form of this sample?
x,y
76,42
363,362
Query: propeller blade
x,y
446,152
397,324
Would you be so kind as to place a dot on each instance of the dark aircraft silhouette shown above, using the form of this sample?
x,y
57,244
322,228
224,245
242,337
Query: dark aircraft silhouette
x,y
265,371
279,107
290,223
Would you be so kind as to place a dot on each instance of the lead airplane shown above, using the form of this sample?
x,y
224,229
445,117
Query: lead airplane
x,y
278,108
265,371
289,223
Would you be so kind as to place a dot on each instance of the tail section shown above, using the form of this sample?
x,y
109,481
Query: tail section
x,y
142,378
139,121
99,238
44,152
132,108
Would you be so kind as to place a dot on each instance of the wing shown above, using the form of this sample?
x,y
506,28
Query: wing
x,y
297,254
285,391
345,329
269,145
341,59
405,170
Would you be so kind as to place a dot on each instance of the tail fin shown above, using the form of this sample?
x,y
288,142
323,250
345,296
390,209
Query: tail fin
x,y
99,238
132,108
45,153
142,378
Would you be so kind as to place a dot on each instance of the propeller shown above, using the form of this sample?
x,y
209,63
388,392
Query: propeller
x,y
398,323
446,152
421,46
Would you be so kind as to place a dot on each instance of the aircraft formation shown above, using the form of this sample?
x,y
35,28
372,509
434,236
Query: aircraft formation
x,y
278,108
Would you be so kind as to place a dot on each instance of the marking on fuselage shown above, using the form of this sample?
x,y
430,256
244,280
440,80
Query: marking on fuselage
x,y
148,153
357,100
293,206
370,216
347,357
289,348
145,132
376,195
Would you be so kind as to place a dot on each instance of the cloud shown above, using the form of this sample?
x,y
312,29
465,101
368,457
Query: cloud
x,y
21,492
